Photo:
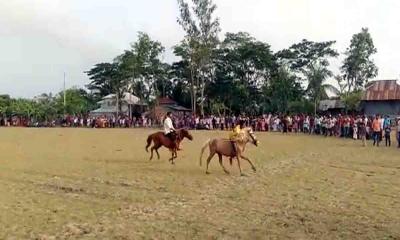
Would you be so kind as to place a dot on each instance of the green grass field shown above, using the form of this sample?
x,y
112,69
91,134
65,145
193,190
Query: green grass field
x,y
99,184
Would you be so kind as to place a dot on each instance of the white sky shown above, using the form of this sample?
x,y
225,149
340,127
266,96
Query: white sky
x,y
40,39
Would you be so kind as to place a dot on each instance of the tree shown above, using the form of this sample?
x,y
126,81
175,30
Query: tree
x,y
283,88
201,39
187,69
22,107
180,75
102,79
341,83
243,66
77,102
164,82
352,100
46,107
142,65
108,78
301,55
358,66
301,106
5,102
317,88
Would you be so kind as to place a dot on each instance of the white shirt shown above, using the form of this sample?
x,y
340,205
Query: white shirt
x,y
398,126
168,126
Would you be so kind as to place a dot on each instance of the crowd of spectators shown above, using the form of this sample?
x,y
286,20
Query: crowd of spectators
x,y
377,128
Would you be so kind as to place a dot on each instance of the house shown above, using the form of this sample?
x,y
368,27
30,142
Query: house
x,y
130,106
165,105
331,106
382,97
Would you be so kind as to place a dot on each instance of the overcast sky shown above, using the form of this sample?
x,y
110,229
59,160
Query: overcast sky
x,y
40,39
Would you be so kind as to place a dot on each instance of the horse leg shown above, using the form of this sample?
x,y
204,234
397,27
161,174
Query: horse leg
x,y
235,151
222,165
240,169
177,145
173,156
155,147
209,160
151,155
158,155
248,160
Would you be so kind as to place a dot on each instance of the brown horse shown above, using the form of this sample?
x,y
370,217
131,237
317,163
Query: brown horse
x,y
159,140
223,147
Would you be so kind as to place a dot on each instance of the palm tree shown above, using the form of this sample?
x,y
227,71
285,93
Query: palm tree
x,y
317,88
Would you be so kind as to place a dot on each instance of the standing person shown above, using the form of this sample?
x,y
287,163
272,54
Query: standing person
x,y
318,123
285,124
398,132
382,120
346,124
388,131
355,131
363,130
169,129
376,128
306,125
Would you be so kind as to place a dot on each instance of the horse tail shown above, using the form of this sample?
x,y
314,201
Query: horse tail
x,y
149,140
207,143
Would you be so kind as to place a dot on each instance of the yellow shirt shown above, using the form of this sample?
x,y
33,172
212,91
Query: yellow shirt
x,y
236,131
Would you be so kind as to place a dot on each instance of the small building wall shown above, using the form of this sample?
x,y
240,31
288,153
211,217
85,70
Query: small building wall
x,y
391,108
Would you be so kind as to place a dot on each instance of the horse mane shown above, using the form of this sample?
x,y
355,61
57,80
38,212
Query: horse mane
x,y
180,132
247,130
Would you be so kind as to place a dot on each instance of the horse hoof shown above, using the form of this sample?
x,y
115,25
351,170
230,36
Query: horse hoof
x,y
243,175
227,172
254,169
208,173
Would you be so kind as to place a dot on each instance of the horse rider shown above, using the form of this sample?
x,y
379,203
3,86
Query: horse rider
x,y
234,136
169,129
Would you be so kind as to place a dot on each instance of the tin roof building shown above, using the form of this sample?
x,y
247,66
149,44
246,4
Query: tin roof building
x,y
382,97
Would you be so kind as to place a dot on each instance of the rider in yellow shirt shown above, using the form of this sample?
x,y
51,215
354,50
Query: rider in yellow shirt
x,y
235,133
234,136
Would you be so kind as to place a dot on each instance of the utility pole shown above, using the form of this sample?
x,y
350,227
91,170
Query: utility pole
x,y
65,98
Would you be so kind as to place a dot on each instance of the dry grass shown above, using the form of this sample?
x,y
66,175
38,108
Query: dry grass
x,y
99,184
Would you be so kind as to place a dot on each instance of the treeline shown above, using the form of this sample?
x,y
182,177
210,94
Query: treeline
x,y
233,75
48,107
236,74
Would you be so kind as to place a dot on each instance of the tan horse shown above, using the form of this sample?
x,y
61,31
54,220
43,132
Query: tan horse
x,y
223,147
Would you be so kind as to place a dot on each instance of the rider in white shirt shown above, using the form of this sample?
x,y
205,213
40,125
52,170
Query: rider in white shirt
x,y
169,129
168,126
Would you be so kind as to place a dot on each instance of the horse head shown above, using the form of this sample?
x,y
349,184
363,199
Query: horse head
x,y
184,133
250,135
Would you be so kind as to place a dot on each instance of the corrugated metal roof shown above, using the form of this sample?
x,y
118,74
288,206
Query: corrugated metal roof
x,y
127,97
166,101
382,90
180,108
